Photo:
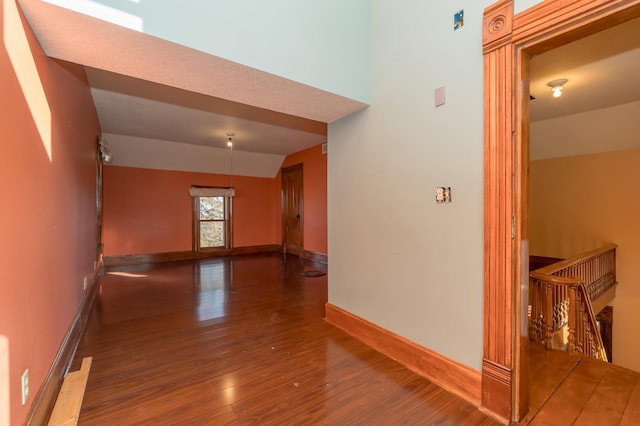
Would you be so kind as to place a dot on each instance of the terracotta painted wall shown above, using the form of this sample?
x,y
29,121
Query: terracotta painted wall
x,y
149,211
315,197
580,203
48,128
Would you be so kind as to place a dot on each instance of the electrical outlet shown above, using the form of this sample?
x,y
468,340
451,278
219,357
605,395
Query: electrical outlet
x,y
25,386
84,283
443,194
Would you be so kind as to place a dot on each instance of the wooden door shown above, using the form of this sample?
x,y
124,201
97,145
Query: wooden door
x,y
292,210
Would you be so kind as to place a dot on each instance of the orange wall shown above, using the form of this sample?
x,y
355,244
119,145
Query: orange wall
x,y
149,211
581,203
48,217
315,196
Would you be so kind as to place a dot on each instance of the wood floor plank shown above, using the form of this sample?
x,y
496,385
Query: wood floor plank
x,y
631,414
67,407
608,402
242,341
567,402
547,370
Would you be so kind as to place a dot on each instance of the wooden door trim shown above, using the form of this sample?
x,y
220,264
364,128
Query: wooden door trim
x,y
508,42
284,170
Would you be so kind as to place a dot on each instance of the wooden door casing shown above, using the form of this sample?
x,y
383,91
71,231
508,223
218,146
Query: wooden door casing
x,y
508,42
293,210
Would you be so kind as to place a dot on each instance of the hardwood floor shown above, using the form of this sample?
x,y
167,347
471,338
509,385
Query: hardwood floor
x,y
241,340
571,389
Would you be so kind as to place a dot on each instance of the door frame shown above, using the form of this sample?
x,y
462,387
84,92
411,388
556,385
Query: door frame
x,y
295,167
508,42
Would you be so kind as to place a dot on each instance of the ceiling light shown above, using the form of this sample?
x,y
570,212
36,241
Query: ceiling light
x,y
557,86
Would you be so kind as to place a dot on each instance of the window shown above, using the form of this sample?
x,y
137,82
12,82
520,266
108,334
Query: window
x,y
211,221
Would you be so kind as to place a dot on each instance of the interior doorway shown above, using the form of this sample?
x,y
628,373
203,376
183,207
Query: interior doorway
x,y
293,210
508,43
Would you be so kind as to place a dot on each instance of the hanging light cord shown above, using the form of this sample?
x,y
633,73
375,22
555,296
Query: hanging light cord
x,y
230,145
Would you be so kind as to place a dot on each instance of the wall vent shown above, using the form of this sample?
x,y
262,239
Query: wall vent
x,y
324,148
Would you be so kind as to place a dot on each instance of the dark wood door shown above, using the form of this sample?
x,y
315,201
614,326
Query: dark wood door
x,y
292,210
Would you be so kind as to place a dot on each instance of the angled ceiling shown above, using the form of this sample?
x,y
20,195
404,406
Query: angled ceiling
x,y
139,108
151,88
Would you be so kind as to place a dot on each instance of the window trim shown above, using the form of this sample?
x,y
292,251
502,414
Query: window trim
x,y
195,225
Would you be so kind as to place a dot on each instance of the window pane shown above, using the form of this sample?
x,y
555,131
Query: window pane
x,y
211,208
211,234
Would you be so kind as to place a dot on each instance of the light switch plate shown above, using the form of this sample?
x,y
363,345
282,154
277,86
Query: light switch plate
x,y
440,96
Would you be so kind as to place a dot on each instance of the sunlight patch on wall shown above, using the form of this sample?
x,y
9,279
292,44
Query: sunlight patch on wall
x,y
102,12
17,46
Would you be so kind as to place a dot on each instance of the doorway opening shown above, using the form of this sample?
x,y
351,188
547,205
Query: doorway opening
x,y
508,44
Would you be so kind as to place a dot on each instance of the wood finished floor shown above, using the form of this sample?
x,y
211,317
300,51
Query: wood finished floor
x,y
568,389
242,341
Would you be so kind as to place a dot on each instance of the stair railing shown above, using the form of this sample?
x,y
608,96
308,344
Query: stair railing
x,y
561,315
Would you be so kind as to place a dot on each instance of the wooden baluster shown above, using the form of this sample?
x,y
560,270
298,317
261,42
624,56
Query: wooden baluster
x,y
589,337
584,329
584,345
588,332
558,300
563,311
572,322
532,308
548,317
537,312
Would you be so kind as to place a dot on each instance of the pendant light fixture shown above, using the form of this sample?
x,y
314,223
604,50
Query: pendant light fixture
x,y
230,136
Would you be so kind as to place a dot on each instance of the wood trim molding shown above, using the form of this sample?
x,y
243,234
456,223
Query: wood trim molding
x,y
497,25
316,257
499,211
45,399
496,377
446,373
175,256
507,45
550,24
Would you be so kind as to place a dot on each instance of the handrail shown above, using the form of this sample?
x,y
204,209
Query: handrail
x,y
596,268
561,314
563,264
584,336
554,279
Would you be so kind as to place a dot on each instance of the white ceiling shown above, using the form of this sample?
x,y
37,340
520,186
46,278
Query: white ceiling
x,y
602,70
145,87
138,108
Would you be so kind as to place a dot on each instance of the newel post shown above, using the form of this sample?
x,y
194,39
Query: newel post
x,y
500,277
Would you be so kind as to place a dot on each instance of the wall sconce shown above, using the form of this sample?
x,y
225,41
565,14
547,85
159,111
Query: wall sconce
x,y
230,136
557,86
